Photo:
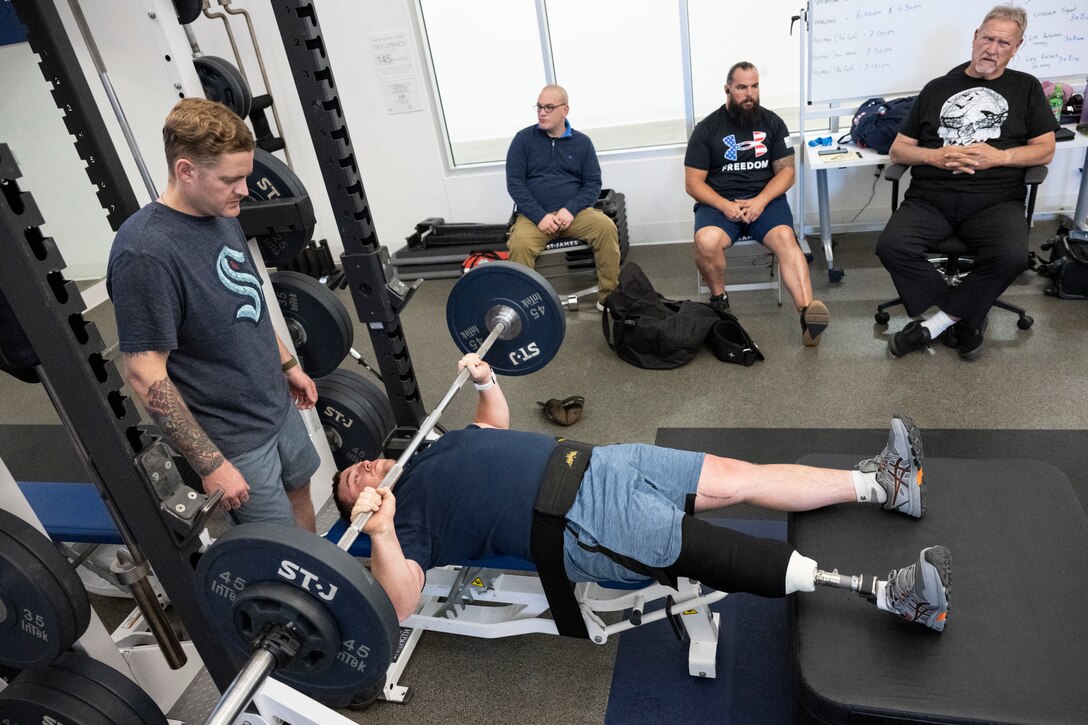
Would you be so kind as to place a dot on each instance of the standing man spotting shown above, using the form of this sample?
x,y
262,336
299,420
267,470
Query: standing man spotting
x,y
198,345
553,176
738,167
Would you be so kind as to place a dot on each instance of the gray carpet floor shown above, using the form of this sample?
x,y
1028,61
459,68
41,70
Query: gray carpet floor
x,y
1024,380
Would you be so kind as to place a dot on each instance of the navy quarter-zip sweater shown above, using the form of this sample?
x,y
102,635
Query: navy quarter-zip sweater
x,y
545,174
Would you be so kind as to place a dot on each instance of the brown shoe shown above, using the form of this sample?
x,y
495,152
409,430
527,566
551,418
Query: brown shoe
x,y
814,320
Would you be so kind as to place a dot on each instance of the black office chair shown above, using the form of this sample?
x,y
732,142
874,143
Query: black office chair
x,y
951,256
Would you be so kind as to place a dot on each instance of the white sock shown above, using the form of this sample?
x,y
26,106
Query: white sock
x,y
867,489
938,324
881,599
800,574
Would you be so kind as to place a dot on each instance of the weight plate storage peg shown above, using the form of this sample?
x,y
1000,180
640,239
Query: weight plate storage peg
x,y
485,294
308,589
320,327
273,179
44,608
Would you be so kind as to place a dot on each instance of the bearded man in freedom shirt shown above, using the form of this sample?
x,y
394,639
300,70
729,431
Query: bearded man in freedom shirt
x,y
738,167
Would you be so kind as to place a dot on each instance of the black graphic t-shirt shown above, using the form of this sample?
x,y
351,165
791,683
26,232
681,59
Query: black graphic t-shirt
x,y
188,286
957,110
737,159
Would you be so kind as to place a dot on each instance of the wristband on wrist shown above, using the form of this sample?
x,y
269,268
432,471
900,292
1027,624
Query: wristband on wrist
x,y
486,386
289,364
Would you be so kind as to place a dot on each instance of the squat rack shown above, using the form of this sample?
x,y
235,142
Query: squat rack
x,y
87,385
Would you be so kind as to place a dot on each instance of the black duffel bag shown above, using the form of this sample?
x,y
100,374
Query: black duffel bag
x,y
649,330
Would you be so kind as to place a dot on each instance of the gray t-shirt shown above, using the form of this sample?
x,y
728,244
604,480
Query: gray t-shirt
x,y
188,286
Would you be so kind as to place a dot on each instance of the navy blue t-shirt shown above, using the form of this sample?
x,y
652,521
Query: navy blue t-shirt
x,y
188,286
470,495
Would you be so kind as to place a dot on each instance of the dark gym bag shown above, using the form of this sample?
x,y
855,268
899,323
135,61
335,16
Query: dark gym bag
x,y
649,330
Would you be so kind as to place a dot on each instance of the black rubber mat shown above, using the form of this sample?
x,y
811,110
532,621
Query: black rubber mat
x,y
1012,650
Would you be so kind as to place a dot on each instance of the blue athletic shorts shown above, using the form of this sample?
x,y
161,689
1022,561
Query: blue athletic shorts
x,y
631,501
284,463
774,214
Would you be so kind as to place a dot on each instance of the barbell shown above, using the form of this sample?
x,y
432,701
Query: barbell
x,y
301,608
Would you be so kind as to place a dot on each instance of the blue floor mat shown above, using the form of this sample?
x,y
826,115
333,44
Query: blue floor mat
x,y
650,682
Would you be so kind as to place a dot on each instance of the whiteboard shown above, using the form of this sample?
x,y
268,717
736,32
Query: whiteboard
x,y
866,48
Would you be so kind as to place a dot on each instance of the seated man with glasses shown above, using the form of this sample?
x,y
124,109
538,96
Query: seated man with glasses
x,y
738,167
553,176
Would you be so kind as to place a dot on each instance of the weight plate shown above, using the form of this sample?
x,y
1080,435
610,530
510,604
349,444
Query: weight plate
x,y
97,699
44,608
352,386
66,575
318,322
363,404
352,428
113,686
224,83
273,179
373,392
30,702
253,553
475,298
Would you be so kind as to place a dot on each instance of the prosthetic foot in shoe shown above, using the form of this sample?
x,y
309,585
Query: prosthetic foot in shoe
x,y
922,591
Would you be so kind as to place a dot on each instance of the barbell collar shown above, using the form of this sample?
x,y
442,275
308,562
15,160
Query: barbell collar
x,y
506,315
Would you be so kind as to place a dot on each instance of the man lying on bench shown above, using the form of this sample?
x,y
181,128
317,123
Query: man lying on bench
x,y
625,512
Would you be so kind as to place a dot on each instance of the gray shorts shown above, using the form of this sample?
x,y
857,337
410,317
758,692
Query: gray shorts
x,y
631,501
283,463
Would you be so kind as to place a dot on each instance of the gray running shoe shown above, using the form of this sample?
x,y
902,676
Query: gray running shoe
x,y
898,468
922,591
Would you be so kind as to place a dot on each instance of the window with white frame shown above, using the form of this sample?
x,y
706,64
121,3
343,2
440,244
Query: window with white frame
x,y
622,63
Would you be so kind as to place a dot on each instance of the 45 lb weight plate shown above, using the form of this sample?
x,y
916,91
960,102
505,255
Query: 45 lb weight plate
x,y
539,324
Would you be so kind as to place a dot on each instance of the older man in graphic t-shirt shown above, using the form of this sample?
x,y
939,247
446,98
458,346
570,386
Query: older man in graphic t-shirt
x,y
969,137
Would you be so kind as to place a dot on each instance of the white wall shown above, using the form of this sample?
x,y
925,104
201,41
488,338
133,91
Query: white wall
x,y
402,156
33,128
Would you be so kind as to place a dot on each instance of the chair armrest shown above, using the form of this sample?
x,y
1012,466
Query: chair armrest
x,y
1034,175
894,172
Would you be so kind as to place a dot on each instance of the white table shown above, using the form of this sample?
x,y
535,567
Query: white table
x,y
867,157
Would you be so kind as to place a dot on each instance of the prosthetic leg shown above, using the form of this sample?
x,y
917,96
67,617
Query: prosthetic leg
x,y
864,585
918,593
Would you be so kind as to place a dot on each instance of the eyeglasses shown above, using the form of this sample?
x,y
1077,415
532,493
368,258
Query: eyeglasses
x,y
547,109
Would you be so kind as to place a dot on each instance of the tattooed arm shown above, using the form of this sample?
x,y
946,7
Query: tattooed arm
x,y
146,374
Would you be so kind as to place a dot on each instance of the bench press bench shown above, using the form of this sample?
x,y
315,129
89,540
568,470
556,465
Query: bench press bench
x,y
71,512
503,597
488,598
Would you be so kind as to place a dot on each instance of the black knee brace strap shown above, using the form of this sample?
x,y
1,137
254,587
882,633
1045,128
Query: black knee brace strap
x,y
730,561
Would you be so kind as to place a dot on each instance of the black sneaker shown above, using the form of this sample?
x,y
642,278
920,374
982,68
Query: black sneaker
x,y
965,338
951,336
719,303
912,337
971,342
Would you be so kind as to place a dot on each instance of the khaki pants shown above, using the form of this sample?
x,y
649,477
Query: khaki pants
x,y
590,225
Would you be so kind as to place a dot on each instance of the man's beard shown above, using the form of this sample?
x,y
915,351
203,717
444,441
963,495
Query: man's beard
x,y
745,117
